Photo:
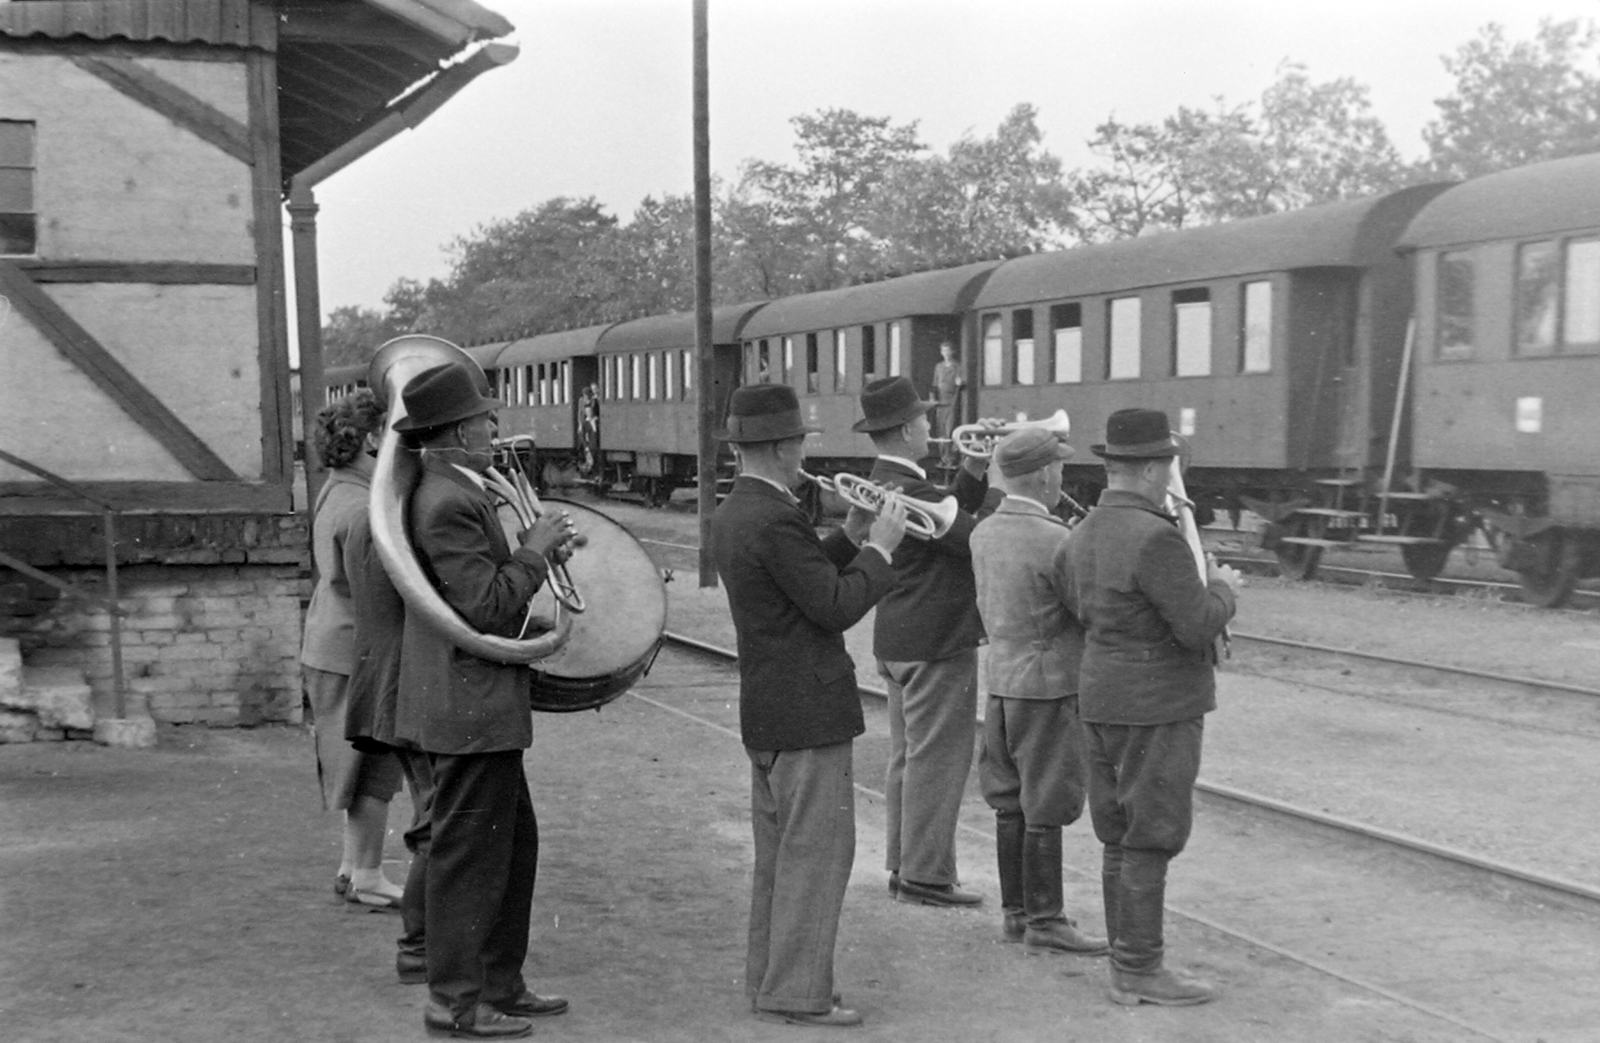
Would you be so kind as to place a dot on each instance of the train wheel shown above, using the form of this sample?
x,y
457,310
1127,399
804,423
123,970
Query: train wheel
x,y
1298,561
1425,560
1550,587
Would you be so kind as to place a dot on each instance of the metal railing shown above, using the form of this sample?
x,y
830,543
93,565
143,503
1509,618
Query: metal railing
x,y
111,602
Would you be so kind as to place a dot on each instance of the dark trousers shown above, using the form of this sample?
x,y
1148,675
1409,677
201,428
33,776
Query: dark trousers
x,y
482,860
414,904
1032,759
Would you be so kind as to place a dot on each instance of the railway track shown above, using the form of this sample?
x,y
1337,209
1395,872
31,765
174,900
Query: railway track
x,y
1505,870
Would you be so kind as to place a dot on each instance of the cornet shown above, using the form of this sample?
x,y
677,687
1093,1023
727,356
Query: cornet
x,y
925,521
979,440
513,487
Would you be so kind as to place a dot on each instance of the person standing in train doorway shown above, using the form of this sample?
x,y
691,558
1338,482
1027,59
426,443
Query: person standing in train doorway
x,y
926,641
1146,683
948,382
792,597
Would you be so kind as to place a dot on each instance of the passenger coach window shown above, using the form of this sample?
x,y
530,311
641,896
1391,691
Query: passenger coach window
x,y
653,367
18,222
811,364
1455,305
1255,334
636,381
1066,330
764,364
869,354
788,358
840,360
1581,322
894,349
1191,333
688,371
1538,283
669,386
1022,345
993,352
1124,362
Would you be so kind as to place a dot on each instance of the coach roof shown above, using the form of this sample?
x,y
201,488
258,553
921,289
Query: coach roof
x,y
1534,200
677,331
1355,232
544,347
943,292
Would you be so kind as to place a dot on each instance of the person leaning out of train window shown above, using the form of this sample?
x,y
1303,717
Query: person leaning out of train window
x,y
359,784
926,641
472,716
1145,684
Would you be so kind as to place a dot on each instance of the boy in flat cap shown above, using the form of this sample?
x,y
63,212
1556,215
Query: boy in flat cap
x,y
1144,689
1031,765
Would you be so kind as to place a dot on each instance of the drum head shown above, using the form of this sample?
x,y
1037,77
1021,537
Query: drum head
x,y
615,639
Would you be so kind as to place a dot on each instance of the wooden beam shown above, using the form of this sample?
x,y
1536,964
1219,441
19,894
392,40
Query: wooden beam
x,y
38,498
193,114
111,376
272,321
156,273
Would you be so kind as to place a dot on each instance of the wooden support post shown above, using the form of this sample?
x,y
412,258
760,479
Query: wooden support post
x,y
308,319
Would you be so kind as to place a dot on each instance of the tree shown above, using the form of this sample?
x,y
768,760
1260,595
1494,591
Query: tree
x,y
1518,103
352,333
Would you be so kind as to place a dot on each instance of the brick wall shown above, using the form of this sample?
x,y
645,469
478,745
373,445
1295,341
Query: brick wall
x,y
213,609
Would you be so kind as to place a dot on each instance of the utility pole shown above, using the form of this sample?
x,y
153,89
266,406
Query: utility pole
x,y
705,364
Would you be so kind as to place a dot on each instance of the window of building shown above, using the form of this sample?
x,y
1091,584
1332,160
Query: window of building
x,y
840,359
1191,333
1066,330
894,349
18,221
994,363
1022,345
869,354
687,358
1581,319
1255,328
812,362
1538,297
1124,351
1455,305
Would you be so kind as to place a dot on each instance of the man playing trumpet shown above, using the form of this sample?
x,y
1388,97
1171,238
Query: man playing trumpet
x,y
472,717
1031,766
926,643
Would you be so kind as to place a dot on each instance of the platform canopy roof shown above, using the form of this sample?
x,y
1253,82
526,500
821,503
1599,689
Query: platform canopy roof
x,y
1539,199
343,65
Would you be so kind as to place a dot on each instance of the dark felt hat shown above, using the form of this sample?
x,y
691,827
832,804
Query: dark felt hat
x,y
764,413
1137,434
1027,449
442,395
890,402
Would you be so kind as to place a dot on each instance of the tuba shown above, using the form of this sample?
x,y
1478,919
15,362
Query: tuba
x,y
396,475
979,440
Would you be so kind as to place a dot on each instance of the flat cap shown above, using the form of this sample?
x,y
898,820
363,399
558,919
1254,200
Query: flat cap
x,y
1028,449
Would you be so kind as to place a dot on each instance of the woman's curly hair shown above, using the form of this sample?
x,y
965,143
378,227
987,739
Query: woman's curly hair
x,y
342,428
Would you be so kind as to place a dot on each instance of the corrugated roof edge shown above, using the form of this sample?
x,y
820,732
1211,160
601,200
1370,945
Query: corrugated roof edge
x,y
233,23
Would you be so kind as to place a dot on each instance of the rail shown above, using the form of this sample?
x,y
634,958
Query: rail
x,y
112,601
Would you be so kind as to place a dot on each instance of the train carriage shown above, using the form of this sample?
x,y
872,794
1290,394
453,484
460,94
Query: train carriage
x,y
1274,343
1507,368
649,433
541,378
829,345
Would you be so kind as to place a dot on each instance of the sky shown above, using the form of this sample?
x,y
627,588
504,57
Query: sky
x,y
599,102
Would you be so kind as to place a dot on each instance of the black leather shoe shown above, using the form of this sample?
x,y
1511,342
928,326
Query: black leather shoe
x,y
412,968
485,1023
894,884
936,894
838,1017
528,1005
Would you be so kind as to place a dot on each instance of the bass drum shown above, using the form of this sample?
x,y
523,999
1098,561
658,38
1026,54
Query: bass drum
x,y
615,640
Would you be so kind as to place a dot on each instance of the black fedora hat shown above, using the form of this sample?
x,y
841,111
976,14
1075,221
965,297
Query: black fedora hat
x,y
442,395
1137,434
763,413
888,403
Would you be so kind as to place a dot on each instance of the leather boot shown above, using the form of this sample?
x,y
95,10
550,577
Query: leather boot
x,y
1049,930
1009,829
1137,974
1110,882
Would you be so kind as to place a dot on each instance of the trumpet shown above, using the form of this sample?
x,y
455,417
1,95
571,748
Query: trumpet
x,y
508,480
925,521
979,440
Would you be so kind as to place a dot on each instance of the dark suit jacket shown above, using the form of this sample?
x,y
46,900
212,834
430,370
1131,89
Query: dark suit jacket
x,y
451,701
1150,618
792,596
932,613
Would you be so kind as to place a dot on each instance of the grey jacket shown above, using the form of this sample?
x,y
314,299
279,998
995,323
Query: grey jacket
x,y
1021,562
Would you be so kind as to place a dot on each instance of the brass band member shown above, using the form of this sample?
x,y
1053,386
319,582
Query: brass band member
x,y
926,641
1144,690
472,718
1031,765
792,597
